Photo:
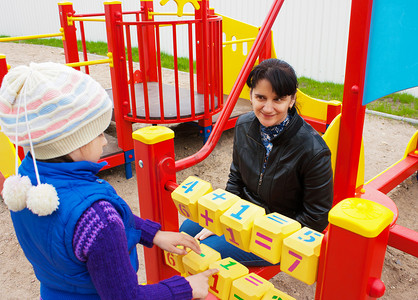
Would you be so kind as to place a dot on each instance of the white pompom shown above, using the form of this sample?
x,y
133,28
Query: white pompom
x,y
43,199
15,189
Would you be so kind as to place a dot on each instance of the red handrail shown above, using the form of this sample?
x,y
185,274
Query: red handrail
x,y
235,92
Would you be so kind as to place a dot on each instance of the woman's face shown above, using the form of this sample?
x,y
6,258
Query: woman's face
x,y
90,152
269,109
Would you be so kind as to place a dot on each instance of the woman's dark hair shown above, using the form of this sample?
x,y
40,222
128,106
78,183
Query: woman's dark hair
x,y
279,73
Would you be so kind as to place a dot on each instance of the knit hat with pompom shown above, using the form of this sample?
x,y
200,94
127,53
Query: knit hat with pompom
x,y
50,110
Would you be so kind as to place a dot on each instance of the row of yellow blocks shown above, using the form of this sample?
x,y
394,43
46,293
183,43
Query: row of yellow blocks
x,y
233,281
273,237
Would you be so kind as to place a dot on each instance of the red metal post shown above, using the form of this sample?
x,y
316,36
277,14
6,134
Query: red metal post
x,y
404,239
332,112
148,41
352,257
70,38
352,118
266,50
3,67
201,46
154,164
118,73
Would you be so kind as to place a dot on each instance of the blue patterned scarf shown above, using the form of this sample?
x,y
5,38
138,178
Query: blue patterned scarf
x,y
269,133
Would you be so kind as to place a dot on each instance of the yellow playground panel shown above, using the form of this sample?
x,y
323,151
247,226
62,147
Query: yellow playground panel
x,y
238,37
331,138
7,156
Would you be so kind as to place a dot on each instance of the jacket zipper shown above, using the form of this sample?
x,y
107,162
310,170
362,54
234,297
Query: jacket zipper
x,y
260,180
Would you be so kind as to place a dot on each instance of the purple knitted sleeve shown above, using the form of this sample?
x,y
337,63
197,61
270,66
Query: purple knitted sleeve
x,y
100,241
148,230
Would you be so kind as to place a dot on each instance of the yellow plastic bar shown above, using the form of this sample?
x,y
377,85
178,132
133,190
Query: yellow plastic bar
x,y
153,13
70,19
238,41
412,145
94,62
30,37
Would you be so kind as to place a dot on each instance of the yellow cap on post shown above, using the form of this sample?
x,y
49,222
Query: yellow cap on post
x,y
112,2
361,216
153,134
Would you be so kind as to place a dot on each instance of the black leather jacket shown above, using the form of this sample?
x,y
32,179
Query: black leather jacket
x,y
297,181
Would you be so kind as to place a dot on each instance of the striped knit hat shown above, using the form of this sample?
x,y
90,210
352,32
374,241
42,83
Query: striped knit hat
x,y
51,110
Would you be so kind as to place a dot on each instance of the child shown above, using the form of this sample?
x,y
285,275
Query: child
x,y
77,233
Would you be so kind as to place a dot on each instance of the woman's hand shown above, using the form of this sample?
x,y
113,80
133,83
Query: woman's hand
x,y
204,233
169,241
200,283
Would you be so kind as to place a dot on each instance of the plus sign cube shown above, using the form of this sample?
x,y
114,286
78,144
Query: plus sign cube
x,y
300,254
195,263
186,195
229,270
268,234
211,206
275,294
237,223
249,287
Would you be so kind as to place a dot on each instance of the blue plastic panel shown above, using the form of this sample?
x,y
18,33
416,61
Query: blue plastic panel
x,y
392,59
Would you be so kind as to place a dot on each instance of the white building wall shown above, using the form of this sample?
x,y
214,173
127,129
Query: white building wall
x,y
311,35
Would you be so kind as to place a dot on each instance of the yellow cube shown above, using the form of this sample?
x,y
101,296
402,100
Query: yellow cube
x,y
275,294
237,223
211,206
186,195
249,287
195,263
268,234
300,254
175,260
229,270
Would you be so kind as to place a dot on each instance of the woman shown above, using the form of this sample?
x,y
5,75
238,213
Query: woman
x,y
279,161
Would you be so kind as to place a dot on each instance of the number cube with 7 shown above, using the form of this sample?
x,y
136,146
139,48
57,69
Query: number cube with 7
x,y
186,195
300,254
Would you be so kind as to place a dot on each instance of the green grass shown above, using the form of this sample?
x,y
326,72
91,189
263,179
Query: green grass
x,y
396,104
100,48
399,104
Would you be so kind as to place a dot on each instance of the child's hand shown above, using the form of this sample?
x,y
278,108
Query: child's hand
x,y
204,233
200,283
169,241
